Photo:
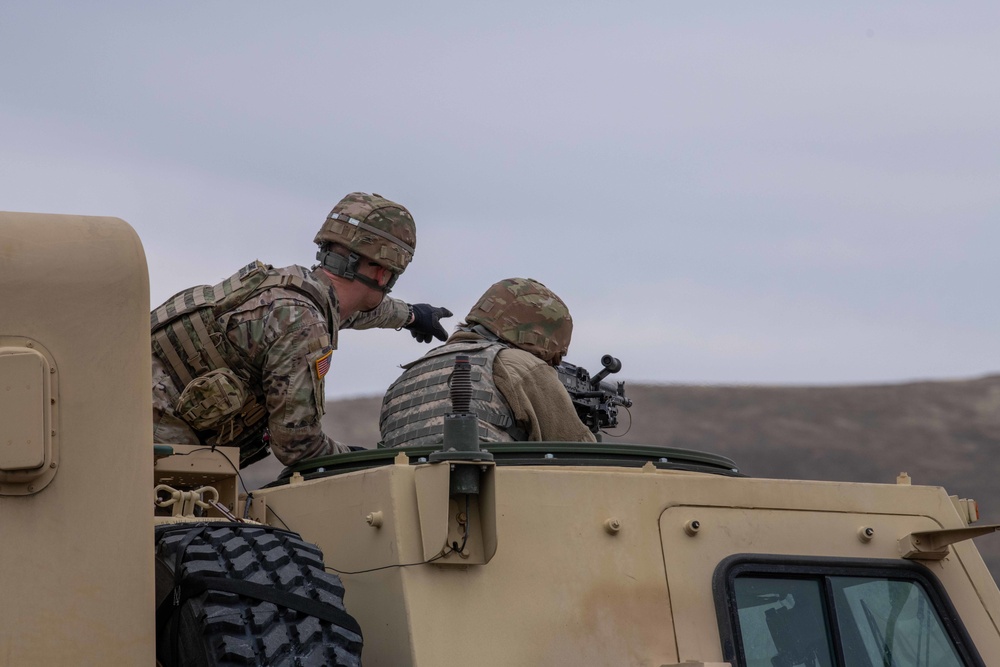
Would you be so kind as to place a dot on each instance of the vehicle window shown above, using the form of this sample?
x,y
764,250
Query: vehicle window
x,y
894,621
782,622
829,620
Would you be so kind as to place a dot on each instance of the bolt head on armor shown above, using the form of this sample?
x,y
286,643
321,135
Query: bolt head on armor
x,y
528,315
373,227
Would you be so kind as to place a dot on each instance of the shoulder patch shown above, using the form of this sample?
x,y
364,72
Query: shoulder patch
x,y
323,364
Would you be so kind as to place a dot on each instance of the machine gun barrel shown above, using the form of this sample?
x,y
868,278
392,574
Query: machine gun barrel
x,y
611,365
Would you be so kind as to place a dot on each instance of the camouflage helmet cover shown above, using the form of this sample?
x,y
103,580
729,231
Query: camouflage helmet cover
x,y
528,315
373,227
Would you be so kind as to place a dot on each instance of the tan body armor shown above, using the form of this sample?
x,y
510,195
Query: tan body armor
x,y
221,389
414,406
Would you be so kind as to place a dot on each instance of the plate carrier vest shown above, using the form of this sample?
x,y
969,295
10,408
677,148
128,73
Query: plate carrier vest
x,y
414,406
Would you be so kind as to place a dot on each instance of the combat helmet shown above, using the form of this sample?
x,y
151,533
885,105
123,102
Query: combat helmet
x,y
370,226
528,315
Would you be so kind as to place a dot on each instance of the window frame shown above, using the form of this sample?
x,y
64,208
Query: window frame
x,y
821,569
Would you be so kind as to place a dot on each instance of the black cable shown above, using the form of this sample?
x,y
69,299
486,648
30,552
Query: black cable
x,y
246,507
621,435
386,567
271,511
468,522
441,555
228,460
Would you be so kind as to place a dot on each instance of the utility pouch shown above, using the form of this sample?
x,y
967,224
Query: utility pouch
x,y
211,398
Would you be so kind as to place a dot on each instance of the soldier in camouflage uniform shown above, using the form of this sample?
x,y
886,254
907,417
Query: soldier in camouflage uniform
x,y
242,363
514,336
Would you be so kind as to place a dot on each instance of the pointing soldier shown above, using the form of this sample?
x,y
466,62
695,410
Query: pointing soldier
x,y
514,336
242,363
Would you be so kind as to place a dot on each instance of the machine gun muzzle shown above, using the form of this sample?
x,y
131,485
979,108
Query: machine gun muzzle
x,y
611,365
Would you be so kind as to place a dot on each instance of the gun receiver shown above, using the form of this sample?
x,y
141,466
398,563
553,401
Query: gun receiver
x,y
596,401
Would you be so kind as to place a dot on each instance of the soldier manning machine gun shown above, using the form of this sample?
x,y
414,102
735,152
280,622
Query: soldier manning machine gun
x,y
595,400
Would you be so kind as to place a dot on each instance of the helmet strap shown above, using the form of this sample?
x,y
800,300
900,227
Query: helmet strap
x,y
347,268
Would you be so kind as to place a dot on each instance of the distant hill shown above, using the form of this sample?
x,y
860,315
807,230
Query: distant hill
x,y
943,433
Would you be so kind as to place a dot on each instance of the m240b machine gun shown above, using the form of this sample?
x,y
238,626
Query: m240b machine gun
x,y
596,401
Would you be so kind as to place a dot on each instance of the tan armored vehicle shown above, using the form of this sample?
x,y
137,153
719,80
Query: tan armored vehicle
x,y
529,554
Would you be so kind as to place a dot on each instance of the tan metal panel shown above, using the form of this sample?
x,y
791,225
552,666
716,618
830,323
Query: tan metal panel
x,y
76,558
601,566
23,432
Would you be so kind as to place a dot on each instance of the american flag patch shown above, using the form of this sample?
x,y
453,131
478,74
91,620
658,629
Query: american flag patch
x,y
323,364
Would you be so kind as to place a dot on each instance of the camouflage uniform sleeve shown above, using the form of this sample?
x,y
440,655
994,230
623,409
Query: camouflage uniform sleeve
x,y
537,398
390,314
292,378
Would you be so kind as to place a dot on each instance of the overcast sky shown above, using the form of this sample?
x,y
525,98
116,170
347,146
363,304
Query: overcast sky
x,y
722,192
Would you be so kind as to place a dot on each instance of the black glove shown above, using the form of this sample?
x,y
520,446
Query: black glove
x,y
426,322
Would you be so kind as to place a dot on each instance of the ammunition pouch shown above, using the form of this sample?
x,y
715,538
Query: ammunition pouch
x,y
210,399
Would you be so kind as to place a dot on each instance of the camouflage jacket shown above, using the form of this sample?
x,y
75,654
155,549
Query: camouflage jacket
x,y
283,341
